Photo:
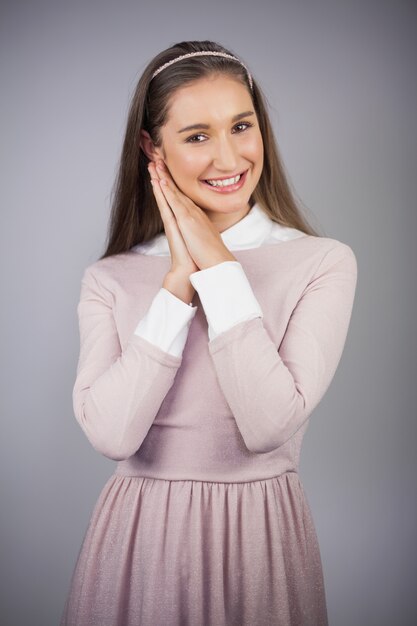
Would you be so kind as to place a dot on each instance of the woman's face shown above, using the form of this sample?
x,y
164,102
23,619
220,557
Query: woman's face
x,y
225,141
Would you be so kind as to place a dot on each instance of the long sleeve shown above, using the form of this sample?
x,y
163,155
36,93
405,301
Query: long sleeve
x,y
116,395
226,296
271,392
167,322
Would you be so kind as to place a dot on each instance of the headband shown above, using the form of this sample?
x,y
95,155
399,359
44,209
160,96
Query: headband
x,y
204,52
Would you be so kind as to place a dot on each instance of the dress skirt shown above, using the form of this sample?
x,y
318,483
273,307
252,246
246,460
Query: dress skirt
x,y
195,553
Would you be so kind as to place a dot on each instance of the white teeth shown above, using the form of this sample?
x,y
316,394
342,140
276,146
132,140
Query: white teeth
x,y
224,183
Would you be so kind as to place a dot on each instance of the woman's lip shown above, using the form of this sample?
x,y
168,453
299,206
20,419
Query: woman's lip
x,y
230,188
223,177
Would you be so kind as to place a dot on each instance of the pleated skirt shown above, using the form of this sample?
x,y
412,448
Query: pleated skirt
x,y
195,553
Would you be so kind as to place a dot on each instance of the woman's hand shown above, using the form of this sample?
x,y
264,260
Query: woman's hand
x,y
191,235
181,261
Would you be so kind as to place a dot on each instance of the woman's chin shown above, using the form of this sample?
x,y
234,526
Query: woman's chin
x,y
229,202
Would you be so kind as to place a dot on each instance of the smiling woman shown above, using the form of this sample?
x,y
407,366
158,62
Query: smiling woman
x,y
234,128
204,402
230,145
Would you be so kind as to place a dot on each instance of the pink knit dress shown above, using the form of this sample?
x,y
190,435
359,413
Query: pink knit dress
x,y
204,521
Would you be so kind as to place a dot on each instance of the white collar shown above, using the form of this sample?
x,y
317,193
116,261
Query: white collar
x,y
252,231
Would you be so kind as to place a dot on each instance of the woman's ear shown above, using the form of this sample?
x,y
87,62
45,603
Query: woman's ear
x,y
147,145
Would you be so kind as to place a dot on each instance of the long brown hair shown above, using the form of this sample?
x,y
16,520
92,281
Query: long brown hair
x,y
135,216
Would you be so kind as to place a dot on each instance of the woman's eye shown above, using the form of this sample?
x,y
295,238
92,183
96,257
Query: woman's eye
x,y
189,140
247,124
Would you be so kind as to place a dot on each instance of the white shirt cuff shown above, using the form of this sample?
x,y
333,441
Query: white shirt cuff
x,y
226,296
167,322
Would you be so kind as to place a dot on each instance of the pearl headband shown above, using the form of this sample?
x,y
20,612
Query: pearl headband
x,y
204,52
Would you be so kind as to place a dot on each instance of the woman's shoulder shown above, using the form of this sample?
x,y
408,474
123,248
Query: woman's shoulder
x,y
332,251
111,267
319,243
320,246
317,254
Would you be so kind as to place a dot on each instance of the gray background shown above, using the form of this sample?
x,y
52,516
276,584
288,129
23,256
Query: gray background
x,y
340,81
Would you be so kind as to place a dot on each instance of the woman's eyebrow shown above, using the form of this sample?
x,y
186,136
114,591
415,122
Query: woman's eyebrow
x,y
235,118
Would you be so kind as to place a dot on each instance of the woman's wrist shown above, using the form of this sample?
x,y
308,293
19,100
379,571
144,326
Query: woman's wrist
x,y
179,285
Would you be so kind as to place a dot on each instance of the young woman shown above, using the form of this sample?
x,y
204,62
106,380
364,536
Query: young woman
x,y
210,329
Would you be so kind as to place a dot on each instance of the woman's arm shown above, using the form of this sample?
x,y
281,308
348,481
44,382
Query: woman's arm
x,y
271,392
167,322
116,394
226,296
226,289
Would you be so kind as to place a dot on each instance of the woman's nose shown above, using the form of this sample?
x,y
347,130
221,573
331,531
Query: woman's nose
x,y
225,155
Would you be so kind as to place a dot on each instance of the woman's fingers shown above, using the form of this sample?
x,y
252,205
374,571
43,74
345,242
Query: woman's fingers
x,y
163,205
201,237
169,195
179,252
179,203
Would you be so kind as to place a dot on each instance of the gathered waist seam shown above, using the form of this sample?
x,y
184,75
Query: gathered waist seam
x,y
222,482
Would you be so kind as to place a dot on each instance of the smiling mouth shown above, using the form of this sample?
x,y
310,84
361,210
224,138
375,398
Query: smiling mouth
x,y
232,187
205,180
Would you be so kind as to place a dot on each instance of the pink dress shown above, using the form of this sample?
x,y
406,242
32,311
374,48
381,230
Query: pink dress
x,y
205,521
